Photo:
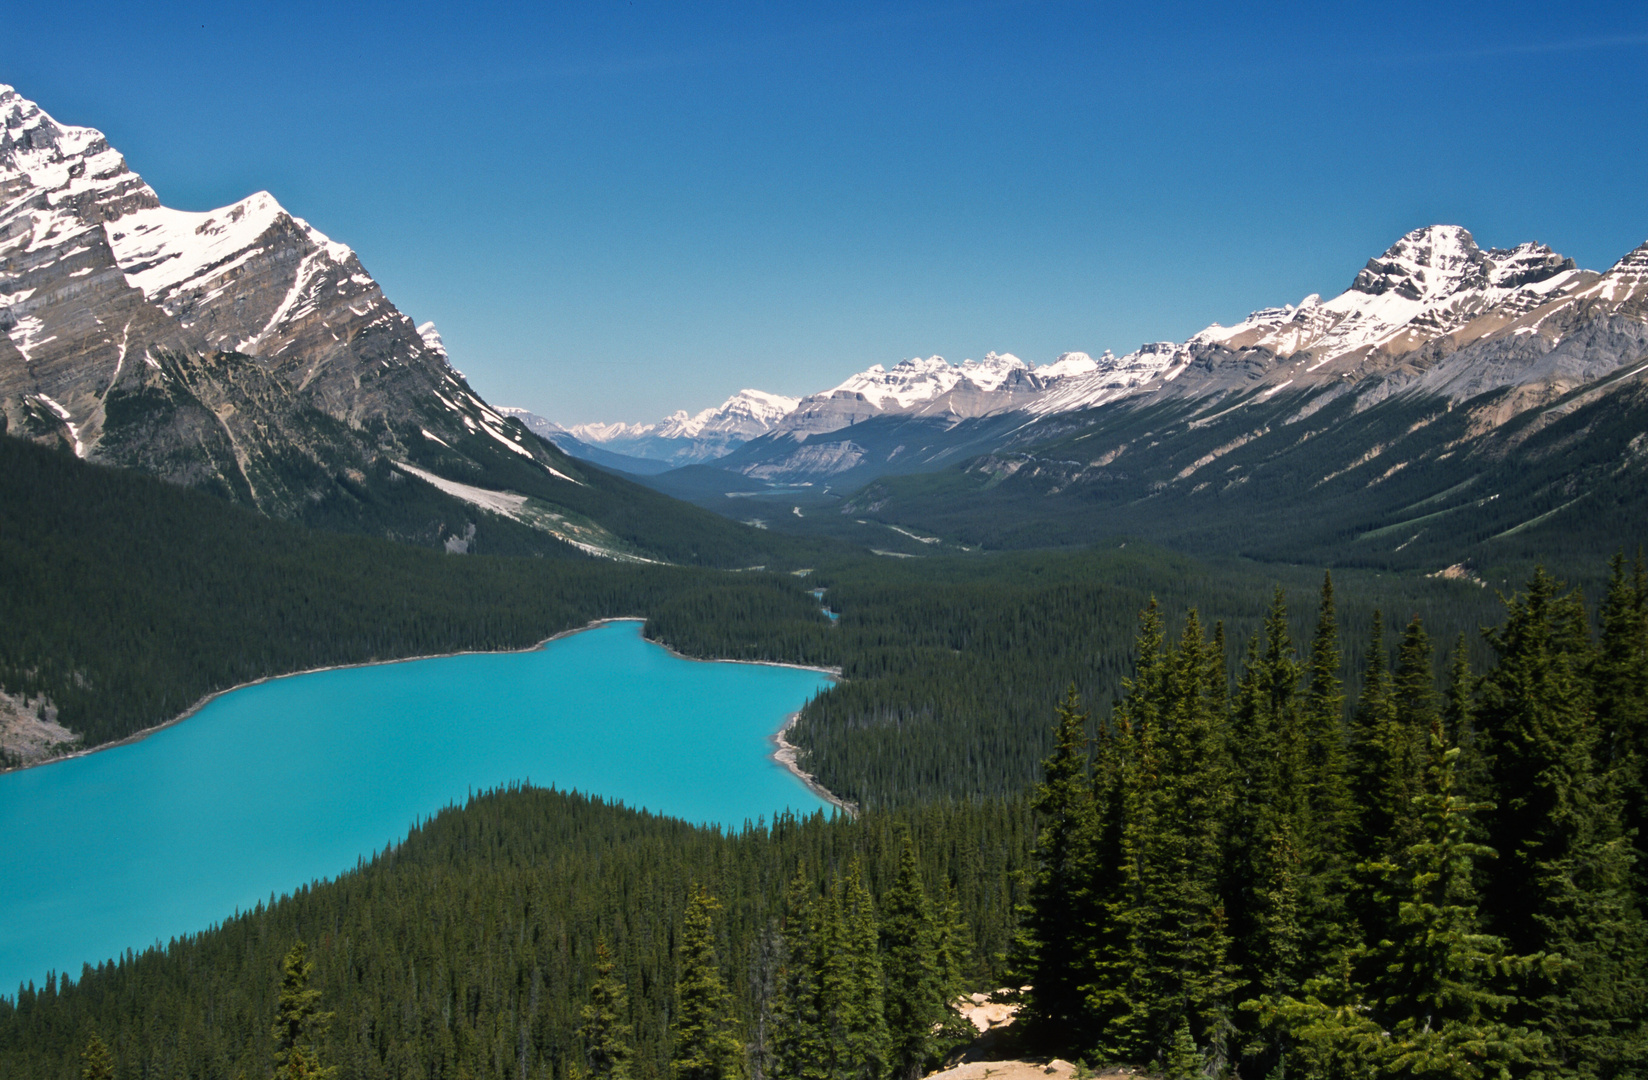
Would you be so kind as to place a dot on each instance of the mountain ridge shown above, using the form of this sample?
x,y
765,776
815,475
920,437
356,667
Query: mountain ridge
x,y
241,351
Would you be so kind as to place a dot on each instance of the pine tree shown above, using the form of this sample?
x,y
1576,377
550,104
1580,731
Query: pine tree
x,y
1567,885
299,1023
1178,939
605,1032
799,1045
706,1044
1432,1010
96,1063
918,999
1057,921
861,1014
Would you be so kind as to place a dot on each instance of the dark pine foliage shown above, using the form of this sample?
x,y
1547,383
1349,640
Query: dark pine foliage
x,y
1440,884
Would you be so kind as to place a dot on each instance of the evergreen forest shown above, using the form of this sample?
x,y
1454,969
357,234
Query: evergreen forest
x,y
1246,870
1208,828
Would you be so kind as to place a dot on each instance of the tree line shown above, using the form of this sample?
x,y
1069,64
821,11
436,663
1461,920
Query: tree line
x,y
1239,874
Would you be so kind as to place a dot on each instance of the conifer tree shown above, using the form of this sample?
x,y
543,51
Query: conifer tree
x,y
1567,886
954,946
860,1011
1373,796
1178,940
1125,765
1324,836
1620,680
605,1032
1413,715
1459,726
299,1023
916,963
96,1063
1536,713
1326,770
798,1037
1432,1009
1058,919
706,1044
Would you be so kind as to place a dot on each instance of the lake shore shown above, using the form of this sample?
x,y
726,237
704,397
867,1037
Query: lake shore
x,y
784,752
787,754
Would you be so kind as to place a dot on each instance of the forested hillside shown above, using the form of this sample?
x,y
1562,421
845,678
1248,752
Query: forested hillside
x,y
471,948
952,663
949,662
1240,873
1269,859
125,599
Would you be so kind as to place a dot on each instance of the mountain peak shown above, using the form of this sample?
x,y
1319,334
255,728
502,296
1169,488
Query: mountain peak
x,y
75,167
1425,264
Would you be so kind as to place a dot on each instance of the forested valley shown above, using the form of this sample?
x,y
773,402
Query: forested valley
x,y
1266,838
1265,860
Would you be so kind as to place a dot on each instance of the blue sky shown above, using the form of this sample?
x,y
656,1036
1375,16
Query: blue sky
x,y
617,209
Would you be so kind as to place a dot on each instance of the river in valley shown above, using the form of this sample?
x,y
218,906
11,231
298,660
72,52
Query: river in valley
x,y
273,785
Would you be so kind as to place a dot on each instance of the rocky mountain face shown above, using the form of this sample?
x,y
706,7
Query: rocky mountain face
x,y
1435,315
238,349
1454,402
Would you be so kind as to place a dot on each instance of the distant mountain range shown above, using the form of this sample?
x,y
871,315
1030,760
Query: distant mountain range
x,y
1450,397
1443,372
678,439
241,351
1430,295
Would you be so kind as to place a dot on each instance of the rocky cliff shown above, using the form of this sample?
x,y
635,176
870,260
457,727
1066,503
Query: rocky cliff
x,y
238,349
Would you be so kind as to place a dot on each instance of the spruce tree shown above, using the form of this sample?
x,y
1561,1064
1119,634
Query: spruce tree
x,y
1434,1007
1620,682
1124,765
96,1063
1266,873
1323,842
1178,940
605,1031
1459,726
1413,714
1567,885
1374,805
917,1001
1536,715
1058,920
299,1023
799,1044
1326,770
706,1043
861,1014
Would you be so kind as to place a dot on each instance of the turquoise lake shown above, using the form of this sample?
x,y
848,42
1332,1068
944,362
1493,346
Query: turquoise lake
x,y
274,785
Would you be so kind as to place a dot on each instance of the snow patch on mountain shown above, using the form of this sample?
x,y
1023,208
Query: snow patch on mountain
x,y
603,433
748,413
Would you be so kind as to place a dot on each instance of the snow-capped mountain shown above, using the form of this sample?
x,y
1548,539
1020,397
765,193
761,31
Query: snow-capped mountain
x,y
1432,291
682,438
1001,382
237,349
1434,316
